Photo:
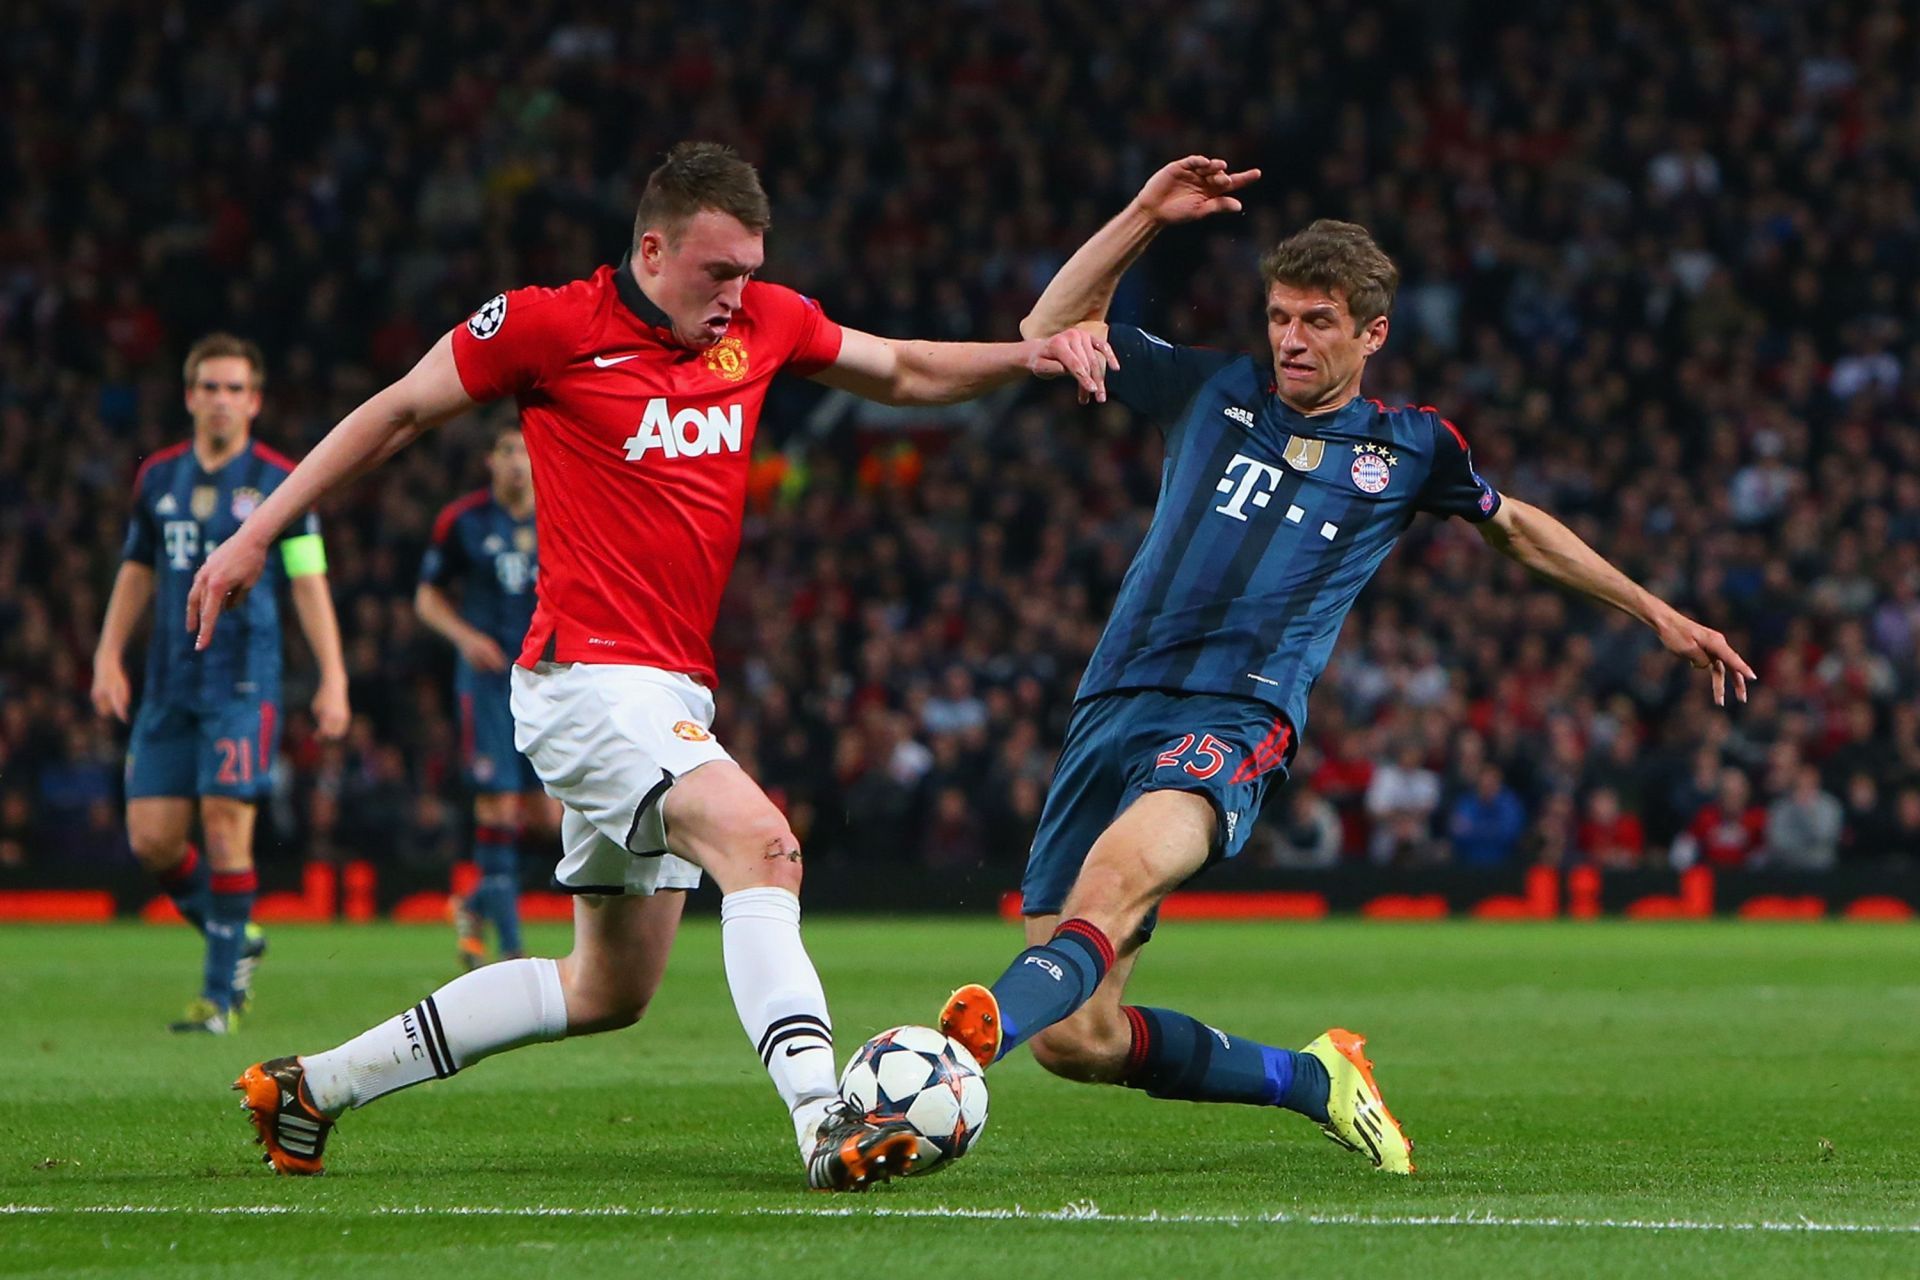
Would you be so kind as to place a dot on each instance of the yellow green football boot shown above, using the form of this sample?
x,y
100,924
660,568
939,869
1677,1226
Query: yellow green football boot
x,y
1357,1116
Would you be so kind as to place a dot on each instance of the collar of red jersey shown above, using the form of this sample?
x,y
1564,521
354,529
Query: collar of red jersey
x,y
635,299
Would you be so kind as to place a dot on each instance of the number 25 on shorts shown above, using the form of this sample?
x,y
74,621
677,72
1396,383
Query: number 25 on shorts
x,y
1202,760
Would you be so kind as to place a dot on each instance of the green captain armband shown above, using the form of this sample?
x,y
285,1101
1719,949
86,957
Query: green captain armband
x,y
304,555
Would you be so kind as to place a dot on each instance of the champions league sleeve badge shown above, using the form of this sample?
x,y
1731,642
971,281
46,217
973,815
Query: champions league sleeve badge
x,y
486,322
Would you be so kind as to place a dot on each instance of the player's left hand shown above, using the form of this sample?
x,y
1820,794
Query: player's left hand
x,y
223,582
1707,650
1077,354
1193,187
331,714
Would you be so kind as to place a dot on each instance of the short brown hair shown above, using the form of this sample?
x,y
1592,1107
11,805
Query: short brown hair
x,y
696,176
1334,255
216,345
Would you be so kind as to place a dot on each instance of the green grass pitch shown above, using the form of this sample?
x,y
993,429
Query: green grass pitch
x,y
1596,1100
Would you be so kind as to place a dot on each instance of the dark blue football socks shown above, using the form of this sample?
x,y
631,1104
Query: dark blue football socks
x,y
1176,1056
496,852
186,882
230,907
1045,984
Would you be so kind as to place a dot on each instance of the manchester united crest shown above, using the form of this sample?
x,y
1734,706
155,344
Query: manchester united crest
x,y
727,359
691,732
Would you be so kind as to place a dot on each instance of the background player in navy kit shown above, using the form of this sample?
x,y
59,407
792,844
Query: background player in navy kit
x,y
209,721
483,546
1282,493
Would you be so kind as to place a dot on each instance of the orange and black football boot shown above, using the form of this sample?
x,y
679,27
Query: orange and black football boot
x,y
851,1154
972,1016
285,1121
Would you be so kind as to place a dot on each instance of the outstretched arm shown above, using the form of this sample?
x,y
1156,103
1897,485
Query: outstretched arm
x,y
904,371
1082,289
429,394
1529,536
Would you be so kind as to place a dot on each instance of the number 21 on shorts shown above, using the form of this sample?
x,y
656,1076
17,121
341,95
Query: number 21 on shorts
x,y
1202,759
236,761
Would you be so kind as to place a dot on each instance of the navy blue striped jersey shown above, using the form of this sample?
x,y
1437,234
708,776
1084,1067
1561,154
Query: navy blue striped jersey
x,y
1267,526
479,545
181,512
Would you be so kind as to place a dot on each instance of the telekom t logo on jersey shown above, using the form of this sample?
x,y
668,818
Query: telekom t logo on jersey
x,y
1248,480
690,433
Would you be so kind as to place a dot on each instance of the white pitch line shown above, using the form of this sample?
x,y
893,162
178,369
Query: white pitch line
x,y
1077,1212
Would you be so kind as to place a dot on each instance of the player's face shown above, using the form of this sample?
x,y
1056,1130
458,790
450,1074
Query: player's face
x,y
1317,356
222,398
510,467
698,274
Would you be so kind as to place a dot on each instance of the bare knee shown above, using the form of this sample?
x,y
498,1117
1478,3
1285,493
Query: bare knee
x,y
1090,1055
598,1002
755,850
157,850
228,827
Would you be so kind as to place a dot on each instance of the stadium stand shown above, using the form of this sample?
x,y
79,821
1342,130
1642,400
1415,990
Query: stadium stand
x,y
1664,270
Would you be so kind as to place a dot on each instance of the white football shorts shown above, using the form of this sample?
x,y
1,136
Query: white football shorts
x,y
607,741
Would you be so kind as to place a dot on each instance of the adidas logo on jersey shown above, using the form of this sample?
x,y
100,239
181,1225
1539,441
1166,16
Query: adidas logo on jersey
x,y
690,433
1242,416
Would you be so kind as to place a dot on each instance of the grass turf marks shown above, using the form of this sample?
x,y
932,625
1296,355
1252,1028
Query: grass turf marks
x,y
1619,1099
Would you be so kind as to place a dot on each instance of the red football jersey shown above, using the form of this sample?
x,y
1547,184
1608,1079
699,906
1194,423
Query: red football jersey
x,y
640,450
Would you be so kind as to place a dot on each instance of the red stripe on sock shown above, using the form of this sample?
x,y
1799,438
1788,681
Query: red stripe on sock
x,y
1092,934
176,876
1137,1050
235,882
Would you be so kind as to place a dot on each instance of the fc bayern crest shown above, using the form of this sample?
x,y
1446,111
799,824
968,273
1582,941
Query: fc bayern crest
x,y
244,501
1371,473
486,322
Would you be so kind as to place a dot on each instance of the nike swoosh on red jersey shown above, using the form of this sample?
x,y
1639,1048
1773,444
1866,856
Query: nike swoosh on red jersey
x,y
606,362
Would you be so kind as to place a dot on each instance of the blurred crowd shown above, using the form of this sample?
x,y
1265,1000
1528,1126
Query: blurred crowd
x,y
1661,263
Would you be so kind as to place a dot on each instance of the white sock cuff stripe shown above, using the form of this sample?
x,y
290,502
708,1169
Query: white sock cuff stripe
x,y
767,903
434,1036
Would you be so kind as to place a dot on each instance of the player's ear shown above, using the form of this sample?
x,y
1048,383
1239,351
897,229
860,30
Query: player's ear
x,y
1376,334
651,248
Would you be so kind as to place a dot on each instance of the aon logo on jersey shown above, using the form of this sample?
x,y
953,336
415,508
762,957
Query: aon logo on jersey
x,y
690,433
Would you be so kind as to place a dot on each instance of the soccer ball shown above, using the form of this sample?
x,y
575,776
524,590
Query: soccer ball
x,y
917,1075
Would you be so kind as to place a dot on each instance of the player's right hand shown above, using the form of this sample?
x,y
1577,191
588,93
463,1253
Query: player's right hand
x,y
224,580
1195,187
1075,353
112,695
482,654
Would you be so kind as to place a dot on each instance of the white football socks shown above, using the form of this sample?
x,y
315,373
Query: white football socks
x,y
780,1002
477,1015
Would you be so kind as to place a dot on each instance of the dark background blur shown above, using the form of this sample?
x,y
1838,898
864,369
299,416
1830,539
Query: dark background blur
x,y
1661,263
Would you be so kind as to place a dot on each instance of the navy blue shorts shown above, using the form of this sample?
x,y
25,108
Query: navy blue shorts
x,y
494,766
1122,745
191,751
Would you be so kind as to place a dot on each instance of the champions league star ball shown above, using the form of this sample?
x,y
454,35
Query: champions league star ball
x,y
917,1075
